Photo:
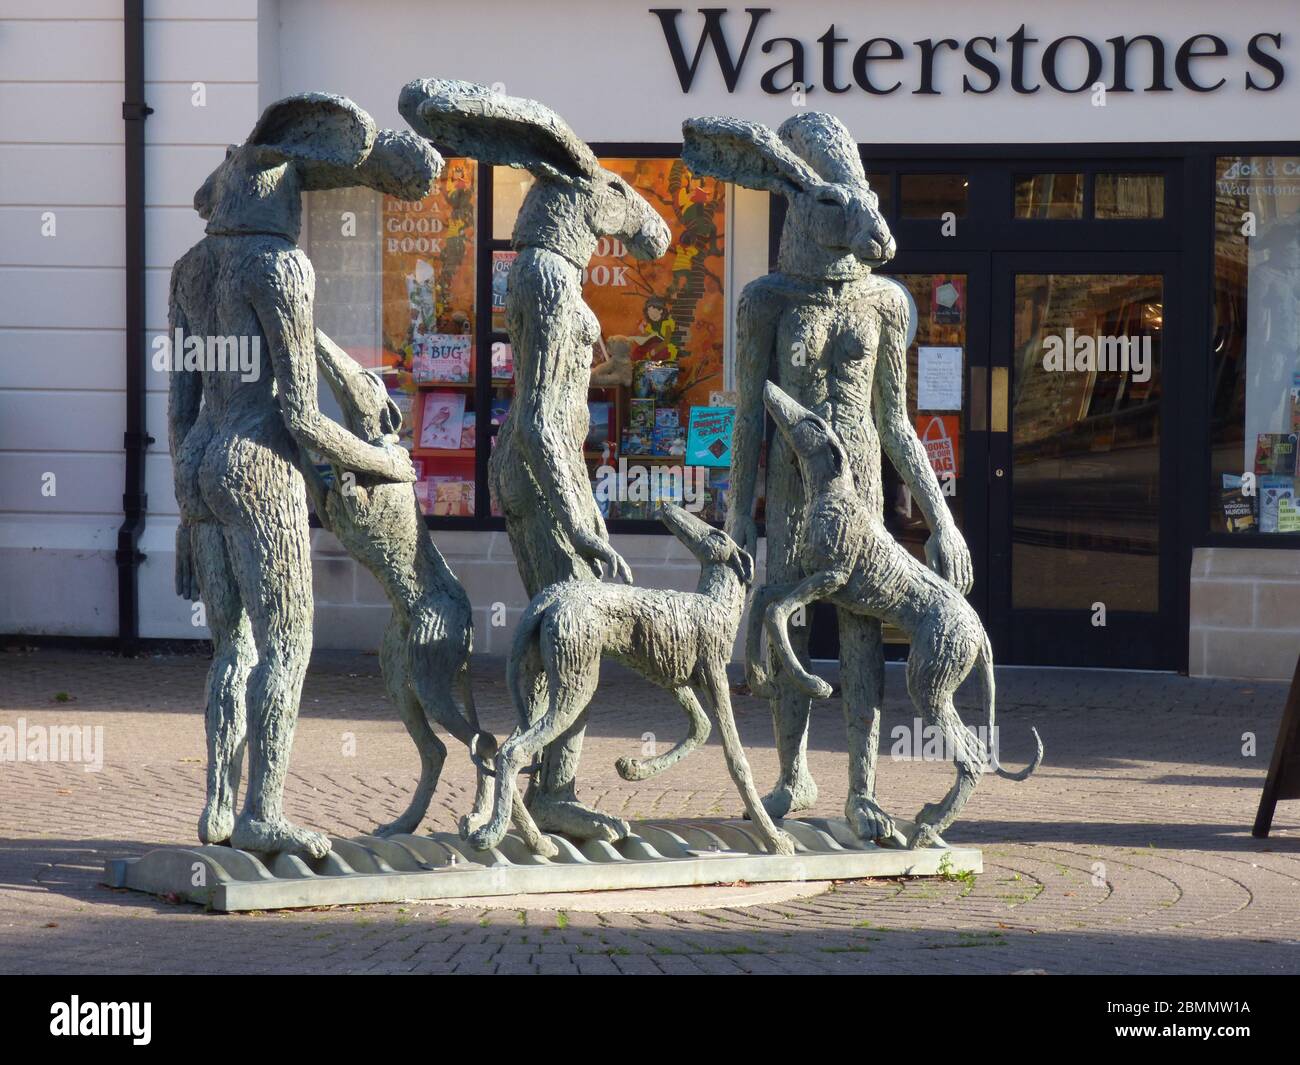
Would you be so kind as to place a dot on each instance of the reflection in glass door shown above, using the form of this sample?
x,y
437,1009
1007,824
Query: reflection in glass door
x,y
1080,466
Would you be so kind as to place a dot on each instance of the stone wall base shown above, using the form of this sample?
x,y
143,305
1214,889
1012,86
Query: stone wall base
x,y
1245,613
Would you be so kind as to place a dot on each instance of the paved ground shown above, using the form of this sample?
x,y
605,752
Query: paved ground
x,y
1129,851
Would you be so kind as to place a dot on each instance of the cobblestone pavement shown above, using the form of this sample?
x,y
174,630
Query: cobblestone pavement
x,y
1129,851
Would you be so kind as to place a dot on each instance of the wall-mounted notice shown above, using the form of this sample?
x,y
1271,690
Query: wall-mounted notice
x,y
938,378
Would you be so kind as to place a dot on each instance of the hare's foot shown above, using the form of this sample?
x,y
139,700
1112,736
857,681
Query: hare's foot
x,y
278,837
791,796
867,820
216,823
568,817
483,838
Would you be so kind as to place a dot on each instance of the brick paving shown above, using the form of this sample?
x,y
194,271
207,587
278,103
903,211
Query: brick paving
x,y
1129,851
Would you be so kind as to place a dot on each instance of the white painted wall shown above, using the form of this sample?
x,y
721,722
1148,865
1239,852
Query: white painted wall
x,y
605,67
602,65
62,319
62,346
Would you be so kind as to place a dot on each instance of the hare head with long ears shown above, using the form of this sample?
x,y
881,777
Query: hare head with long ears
x,y
303,143
574,202
833,226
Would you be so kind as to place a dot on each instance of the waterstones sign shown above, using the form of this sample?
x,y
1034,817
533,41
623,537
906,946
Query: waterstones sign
x,y
746,46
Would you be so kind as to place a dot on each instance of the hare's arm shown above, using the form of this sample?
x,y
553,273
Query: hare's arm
x,y
184,387
756,319
544,339
281,292
945,551
897,434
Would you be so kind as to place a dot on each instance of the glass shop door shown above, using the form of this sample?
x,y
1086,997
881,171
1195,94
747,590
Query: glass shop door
x,y
1079,487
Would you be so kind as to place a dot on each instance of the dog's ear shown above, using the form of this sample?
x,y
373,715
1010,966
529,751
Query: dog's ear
x,y
743,563
392,418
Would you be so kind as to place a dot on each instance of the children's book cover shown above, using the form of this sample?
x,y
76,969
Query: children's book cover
x,y
443,420
708,437
442,358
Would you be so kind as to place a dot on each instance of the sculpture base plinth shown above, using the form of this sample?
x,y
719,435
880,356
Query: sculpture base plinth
x,y
442,866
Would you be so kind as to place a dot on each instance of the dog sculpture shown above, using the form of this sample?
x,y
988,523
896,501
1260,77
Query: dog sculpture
x,y
678,640
427,645
854,563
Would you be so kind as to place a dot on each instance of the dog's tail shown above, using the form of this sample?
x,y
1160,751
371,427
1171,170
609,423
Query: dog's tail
x,y
525,635
985,663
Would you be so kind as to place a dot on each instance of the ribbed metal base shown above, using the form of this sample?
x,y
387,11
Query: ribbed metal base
x,y
443,866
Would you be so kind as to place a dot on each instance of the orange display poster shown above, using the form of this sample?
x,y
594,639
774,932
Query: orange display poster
x,y
667,315
428,251
938,433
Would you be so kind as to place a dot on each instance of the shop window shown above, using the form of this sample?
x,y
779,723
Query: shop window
x,y
1255,356
660,416
933,195
882,184
396,289
397,285
1049,196
509,187
1128,196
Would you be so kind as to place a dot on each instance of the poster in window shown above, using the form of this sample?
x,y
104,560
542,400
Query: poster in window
x,y
938,435
948,300
427,250
501,263
443,421
708,437
667,315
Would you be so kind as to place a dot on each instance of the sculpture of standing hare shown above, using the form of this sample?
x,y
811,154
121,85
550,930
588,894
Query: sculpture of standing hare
x,y
537,470
236,438
834,336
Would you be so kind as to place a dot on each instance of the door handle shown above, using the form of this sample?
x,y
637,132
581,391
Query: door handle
x,y
1000,398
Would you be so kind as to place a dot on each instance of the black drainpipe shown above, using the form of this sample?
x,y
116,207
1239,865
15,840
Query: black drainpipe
x,y
136,440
